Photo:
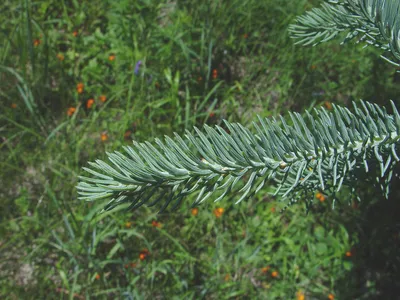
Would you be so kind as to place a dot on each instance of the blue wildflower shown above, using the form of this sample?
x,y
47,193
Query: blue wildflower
x,y
137,67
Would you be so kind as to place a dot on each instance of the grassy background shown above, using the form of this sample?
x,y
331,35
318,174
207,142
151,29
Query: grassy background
x,y
201,62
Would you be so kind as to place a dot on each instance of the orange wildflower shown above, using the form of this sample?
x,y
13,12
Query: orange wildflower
x,y
273,209
36,42
71,111
349,254
156,224
143,254
111,57
75,33
97,276
218,212
214,74
128,224
328,105
79,87
320,197
265,269
245,36
104,137
227,277
211,114
300,295
275,274
331,297
89,103
60,56
132,265
13,105
195,211
103,98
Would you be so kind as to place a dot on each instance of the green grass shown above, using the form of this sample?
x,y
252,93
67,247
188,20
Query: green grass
x,y
54,246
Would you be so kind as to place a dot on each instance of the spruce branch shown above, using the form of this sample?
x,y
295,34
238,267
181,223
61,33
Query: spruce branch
x,y
322,152
375,22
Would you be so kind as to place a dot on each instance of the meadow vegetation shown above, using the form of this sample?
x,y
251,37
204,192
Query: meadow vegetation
x,y
79,78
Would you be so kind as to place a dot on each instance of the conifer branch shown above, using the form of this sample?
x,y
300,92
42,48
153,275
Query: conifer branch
x,y
322,152
375,22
